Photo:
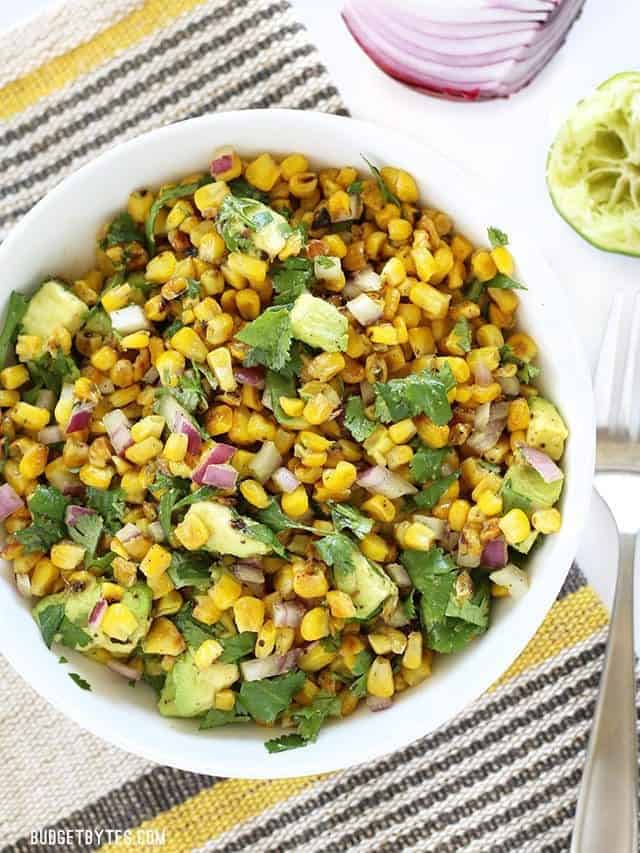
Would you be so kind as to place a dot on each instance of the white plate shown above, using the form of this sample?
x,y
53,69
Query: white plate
x,y
58,236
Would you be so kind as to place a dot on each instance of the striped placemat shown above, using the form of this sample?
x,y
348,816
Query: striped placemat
x,y
503,775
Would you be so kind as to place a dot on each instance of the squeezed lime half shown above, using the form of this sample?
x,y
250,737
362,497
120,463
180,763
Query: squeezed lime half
x,y
593,169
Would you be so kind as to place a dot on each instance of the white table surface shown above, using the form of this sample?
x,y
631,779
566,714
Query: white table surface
x,y
505,144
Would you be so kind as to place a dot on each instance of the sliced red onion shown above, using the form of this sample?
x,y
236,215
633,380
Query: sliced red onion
x,y
23,585
123,669
288,614
482,374
46,399
253,376
156,532
217,455
482,416
74,511
97,614
151,376
221,163
285,480
80,417
399,575
486,50
9,501
184,426
494,554
482,440
220,476
380,481
510,385
127,320
265,462
543,464
117,425
248,573
258,668
364,309
50,435
127,533
378,703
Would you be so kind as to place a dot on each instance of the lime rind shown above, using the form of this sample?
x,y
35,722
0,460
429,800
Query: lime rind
x,y
593,169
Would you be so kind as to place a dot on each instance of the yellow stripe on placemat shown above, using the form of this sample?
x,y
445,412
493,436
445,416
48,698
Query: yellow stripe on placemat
x,y
229,803
53,75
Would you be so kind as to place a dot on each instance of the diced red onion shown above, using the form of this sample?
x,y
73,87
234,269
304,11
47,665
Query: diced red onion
x,y
380,481
127,533
378,703
50,435
9,501
481,373
46,399
399,575
97,614
80,417
156,532
184,426
364,309
265,462
542,463
217,455
510,385
285,480
484,439
127,320
117,425
74,511
221,163
248,573
151,376
258,668
23,585
220,476
123,669
253,376
487,50
494,554
482,416
288,614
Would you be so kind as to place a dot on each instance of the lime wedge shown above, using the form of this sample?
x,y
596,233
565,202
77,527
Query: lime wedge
x,y
593,170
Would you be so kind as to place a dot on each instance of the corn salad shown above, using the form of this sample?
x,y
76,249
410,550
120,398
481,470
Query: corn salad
x,y
284,434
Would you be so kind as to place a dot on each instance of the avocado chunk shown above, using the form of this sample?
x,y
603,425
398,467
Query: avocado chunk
x,y
318,323
229,533
52,306
369,587
249,226
189,691
546,430
525,489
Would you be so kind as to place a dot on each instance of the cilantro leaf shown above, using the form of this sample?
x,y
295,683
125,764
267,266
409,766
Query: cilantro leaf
x,y
418,393
79,680
16,309
360,669
385,192
291,278
355,420
193,631
189,393
474,291
214,718
337,550
497,237
422,565
462,334
285,742
238,646
99,565
311,717
190,568
409,605
431,494
426,463
264,534
122,229
73,636
40,536
86,532
109,504
50,371
436,594
49,620
355,187
274,517
475,609
169,194
47,506
277,385
176,495
49,502
267,698
504,282
527,372
451,635
347,517
62,659
98,321
269,337
243,189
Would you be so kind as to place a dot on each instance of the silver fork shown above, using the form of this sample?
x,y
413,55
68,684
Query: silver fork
x,y
606,815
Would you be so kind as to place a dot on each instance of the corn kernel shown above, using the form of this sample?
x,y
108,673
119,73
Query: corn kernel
x,y
434,303
248,613
206,653
266,640
187,342
402,431
253,492
340,478
99,478
43,577
340,604
192,532
144,451
393,272
30,417
546,520
419,536
155,562
375,548
483,266
149,427
163,637
308,582
219,360
13,377
523,346
296,503
380,679
263,172
316,657
380,508
119,622
34,461
67,555
225,592
515,526
489,503
412,657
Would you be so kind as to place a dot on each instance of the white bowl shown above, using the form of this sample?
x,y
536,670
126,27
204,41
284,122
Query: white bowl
x,y
58,236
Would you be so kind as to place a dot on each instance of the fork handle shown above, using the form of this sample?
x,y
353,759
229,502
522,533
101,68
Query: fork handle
x,y
606,815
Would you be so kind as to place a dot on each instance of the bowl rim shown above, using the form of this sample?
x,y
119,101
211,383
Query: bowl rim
x,y
311,761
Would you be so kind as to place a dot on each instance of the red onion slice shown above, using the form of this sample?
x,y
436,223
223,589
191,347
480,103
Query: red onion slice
x,y
80,417
510,385
217,455
248,573
9,501
288,614
481,373
380,481
482,416
50,435
117,425
123,669
258,668
73,512
543,464
285,480
220,476
378,703
184,426
494,554
97,614
127,533
253,376
220,164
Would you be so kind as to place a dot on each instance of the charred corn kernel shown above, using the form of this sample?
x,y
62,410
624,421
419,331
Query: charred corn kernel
x,y
175,448
419,537
399,229
315,624
104,358
133,487
431,434
119,622
380,678
335,245
248,304
251,268
433,302
219,329
421,341
313,441
263,172
178,213
219,420
294,164
339,206
316,657
124,571
326,365
226,591
206,611
187,342
266,640
137,340
144,451
283,581
155,562
412,657
489,503
393,272
384,333
486,393
503,260
67,555
148,427
253,492
380,508
380,643
219,360
375,547
160,268
209,197
303,185
30,417
400,183
206,310
139,204
169,604
163,637
13,377
317,410
260,428
99,478
515,526
519,415
34,462
416,676
483,266
340,478
248,613
489,335
523,346
9,398
425,265
506,300
399,456
546,520
43,577
192,533
112,591
461,247
308,582
458,512
116,297
340,604
487,356
402,431
292,406
206,653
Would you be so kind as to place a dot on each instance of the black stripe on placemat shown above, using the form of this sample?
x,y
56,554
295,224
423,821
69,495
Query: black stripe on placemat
x,y
124,808
574,580
442,737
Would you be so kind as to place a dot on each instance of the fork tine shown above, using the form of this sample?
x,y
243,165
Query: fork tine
x,y
613,365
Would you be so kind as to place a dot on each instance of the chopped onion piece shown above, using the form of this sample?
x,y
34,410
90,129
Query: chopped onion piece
x,y
23,585
285,480
398,617
482,416
127,533
542,463
218,455
494,554
510,385
73,512
220,476
253,376
265,462
221,163
9,501
151,376
364,309
123,669
50,435
127,320
80,417
185,427
367,280
46,399
258,668
378,703
248,573
380,481
97,614
156,532
117,425
513,578
288,614
438,525
481,373
399,575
